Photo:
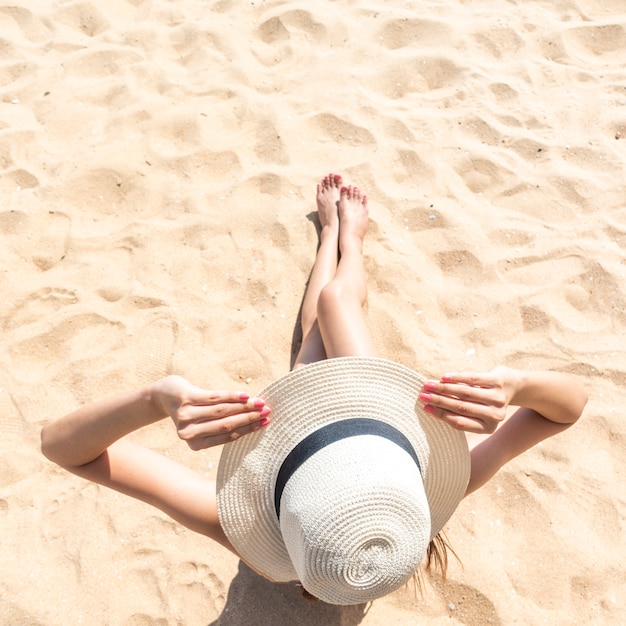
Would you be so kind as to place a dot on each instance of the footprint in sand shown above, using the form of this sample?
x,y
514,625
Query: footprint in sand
x,y
104,62
460,264
195,584
17,179
175,134
534,319
418,219
289,24
83,17
292,37
45,245
503,92
421,74
38,305
603,43
481,175
269,147
341,131
596,294
273,30
43,348
401,33
208,165
17,22
500,43
409,167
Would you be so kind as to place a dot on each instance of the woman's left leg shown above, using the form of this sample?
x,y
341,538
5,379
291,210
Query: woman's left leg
x,y
324,268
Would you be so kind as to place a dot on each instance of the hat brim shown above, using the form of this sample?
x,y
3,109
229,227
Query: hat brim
x,y
303,401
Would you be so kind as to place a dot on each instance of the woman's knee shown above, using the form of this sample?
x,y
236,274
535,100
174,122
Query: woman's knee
x,y
331,297
336,295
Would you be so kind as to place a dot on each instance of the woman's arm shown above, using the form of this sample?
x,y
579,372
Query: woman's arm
x,y
478,403
89,442
203,419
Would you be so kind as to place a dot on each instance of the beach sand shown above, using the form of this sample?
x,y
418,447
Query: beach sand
x,y
158,162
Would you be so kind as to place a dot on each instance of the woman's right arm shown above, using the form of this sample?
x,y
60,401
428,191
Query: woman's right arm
x,y
90,443
203,419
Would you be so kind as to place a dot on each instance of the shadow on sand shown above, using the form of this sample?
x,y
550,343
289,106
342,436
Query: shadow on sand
x,y
253,599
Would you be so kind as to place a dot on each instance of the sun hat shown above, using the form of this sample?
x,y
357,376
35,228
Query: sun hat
x,y
346,487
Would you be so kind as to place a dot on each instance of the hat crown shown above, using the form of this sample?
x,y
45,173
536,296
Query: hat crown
x,y
360,531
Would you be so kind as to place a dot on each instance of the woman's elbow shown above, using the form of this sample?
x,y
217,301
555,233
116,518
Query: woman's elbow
x,y
579,401
49,445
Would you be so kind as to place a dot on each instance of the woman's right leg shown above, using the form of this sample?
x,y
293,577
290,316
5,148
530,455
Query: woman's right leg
x,y
339,306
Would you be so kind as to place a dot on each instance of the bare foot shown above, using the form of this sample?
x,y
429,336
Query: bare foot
x,y
328,193
353,215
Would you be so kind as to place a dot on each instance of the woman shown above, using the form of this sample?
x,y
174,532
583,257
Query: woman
x,y
90,441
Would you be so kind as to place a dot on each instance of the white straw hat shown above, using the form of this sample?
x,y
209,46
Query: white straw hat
x,y
346,487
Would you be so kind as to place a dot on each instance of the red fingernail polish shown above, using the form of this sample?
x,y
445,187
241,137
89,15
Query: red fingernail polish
x,y
429,409
265,421
244,397
446,379
259,404
425,397
430,386
265,411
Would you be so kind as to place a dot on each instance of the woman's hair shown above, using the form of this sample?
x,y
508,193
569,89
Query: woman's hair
x,y
437,555
436,561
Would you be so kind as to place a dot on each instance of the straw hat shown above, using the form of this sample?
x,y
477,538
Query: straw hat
x,y
346,487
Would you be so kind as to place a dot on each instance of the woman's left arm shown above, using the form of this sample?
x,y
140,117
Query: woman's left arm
x,y
478,403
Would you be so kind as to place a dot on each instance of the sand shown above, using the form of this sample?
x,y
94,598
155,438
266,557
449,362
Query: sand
x,y
157,166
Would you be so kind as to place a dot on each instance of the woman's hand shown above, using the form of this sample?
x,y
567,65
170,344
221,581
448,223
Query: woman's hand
x,y
475,403
206,418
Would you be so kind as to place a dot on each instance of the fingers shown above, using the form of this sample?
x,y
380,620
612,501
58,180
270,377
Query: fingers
x,y
224,417
468,403
201,435
480,392
460,419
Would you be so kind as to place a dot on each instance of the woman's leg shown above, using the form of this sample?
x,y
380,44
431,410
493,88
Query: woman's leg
x,y
327,198
339,305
